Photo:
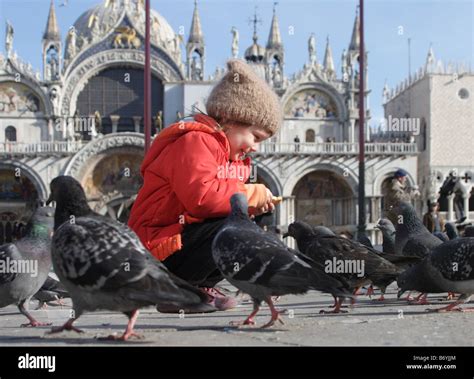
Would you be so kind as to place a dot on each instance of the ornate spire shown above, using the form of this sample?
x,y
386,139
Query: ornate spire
x,y
195,35
430,59
255,53
52,31
274,38
355,40
328,60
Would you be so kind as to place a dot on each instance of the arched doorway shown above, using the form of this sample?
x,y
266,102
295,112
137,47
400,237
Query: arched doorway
x,y
10,134
113,182
114,98
324,198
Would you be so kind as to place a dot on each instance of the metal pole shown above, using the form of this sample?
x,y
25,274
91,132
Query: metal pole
x,y
362,214
147,79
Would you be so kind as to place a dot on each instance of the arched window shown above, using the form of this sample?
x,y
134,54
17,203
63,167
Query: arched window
x,y
310,137
10,134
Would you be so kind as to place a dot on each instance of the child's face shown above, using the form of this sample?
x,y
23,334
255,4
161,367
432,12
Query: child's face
x,y
243,139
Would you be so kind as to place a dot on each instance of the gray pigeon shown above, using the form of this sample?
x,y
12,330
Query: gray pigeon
x,y
51,290
362,265
103,264
449,268
451,231
412,238
388,234
261,265
24,264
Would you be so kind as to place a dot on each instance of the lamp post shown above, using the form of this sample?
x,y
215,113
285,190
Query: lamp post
x,y
147,79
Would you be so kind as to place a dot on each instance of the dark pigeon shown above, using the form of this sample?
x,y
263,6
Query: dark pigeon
x,y
261,265
449,268
25,263
103,264
325,248
388,234
412,238
443,237
451,231
469,231
51,291
364,240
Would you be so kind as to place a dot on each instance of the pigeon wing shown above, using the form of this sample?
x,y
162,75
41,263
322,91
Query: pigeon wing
x,y
8,253
455,259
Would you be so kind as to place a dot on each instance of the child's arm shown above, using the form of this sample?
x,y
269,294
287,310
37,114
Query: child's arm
x,y
197,181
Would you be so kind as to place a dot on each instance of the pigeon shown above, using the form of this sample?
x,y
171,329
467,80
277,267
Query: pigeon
x,y
364,265
364,240
103,265
451,231
412,238
443,237
469,231
388,234
25,263
260,264
449,268
51,290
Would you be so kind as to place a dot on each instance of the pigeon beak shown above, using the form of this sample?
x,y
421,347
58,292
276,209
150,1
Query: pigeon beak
x,y
377,226
400,293
285,235
50,199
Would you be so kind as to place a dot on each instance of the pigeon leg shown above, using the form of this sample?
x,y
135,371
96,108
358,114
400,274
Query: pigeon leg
x,y
356,292
249,320
275,314
370,291
33,322
381,298
421,299
408,297
337,309
132,319
451,296
41,305
450,308
67,326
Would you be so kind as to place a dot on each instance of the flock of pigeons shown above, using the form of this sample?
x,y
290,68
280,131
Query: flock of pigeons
x,y
101,263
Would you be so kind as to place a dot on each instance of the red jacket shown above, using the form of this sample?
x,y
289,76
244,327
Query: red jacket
x,y
184,183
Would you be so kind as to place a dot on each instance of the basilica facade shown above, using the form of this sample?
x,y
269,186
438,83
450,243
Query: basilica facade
x,y
83,116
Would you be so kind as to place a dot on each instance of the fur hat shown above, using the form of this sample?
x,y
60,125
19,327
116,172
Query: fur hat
x,y
242,96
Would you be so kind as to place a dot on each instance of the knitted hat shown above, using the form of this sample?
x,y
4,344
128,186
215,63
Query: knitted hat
x,y
242,96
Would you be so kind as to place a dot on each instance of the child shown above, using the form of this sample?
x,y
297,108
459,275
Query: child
x,y
189,177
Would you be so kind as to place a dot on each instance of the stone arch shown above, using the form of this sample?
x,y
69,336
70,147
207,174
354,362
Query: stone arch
x,y
386,174
323,197
327,89
88,68
109,171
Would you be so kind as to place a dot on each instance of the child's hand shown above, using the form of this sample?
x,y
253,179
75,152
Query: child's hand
x,y
268,207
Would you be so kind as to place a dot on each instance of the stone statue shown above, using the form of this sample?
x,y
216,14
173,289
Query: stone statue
x,y
312,48
9,39
235,42
72,35
159,122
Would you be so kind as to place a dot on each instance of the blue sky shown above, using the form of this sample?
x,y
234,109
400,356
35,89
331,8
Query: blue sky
x,y
448,25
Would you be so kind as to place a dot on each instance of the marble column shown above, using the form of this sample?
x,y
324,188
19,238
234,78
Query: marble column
x,y
451,207
465,197
136,123
115,119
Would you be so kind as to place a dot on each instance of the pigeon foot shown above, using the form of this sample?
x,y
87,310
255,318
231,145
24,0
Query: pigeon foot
x,y
33,324
67,326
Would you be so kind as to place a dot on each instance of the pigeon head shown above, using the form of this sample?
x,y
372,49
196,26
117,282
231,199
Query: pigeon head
x,y
406,281
298,230
70,199
385,226
451,230
239,205
407,218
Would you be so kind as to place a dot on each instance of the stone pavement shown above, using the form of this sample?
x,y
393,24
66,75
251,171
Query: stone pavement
x,y
368,323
